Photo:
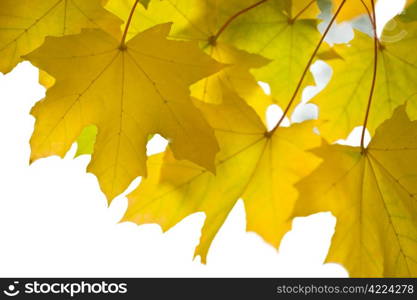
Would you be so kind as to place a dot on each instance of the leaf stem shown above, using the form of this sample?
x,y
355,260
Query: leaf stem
x,y
129,20
371,94
307,68
214,38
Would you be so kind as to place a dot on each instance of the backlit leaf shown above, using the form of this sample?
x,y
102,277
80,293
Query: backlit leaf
x,y
129,93
373,195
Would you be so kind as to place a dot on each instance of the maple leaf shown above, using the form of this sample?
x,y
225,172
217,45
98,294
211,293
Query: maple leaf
x,y
373,195
201,20
24,24
258,166
356,8
129,92
287,41
343,102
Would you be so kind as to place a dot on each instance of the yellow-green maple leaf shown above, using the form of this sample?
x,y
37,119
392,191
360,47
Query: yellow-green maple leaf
x,y
289,43
129,92
373,196
200,20
261,168
342,104
24,24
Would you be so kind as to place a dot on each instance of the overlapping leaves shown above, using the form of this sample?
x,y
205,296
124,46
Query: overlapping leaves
x,y
349,87
128,92
259,167
118,72
25,24
376,190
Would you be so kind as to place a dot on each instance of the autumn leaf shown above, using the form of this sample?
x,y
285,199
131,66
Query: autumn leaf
x,y
201,19
128,92
343,102
25,24
258,166
372,194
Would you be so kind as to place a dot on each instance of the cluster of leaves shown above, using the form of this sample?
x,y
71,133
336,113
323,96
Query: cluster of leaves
x,y
120,71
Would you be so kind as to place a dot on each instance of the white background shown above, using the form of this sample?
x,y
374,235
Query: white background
x,y
54,221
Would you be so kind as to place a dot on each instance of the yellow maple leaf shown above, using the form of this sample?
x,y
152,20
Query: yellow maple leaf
x,y
343,102
258,166
373,195
24,24
128,91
